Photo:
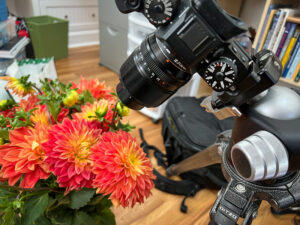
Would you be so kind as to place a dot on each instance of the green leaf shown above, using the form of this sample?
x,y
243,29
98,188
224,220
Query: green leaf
x,y
82,218
61,216
81,198
107,217
9,217
51,202
7,198
34,208
54,108
125,127
42,220
104,203
87,97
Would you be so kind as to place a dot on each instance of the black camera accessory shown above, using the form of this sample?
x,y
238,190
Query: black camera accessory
x,y
241,199
193,40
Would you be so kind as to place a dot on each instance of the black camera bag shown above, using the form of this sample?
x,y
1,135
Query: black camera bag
x,y
187,129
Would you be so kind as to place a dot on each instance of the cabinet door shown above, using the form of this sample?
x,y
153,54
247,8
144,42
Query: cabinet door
x,y
109,13
81,14
113,46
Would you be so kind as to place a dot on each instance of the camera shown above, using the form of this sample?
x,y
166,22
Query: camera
x,y
192,36
261,159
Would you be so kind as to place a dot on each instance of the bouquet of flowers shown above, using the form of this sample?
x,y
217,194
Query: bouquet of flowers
x,y
65,155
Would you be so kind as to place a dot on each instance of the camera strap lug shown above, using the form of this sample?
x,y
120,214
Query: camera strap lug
x,y
223,113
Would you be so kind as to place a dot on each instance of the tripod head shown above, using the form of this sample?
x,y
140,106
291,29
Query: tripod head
x,y
199,36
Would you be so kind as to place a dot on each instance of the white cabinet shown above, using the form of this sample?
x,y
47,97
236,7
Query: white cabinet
x,y
113,35
81,14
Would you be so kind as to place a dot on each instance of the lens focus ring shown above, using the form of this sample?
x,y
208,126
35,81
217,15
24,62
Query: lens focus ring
x,y
163,79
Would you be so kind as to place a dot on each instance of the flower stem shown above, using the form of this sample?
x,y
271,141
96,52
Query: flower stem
x,y
7,91
36,88
3,186
115,113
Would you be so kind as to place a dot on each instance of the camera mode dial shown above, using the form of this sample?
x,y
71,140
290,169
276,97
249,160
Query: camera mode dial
x,y
221,74
160,12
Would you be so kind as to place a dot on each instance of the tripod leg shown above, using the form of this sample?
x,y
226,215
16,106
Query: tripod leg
x,y
207,157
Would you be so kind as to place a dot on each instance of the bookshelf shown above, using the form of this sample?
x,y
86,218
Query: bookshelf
x,y
293,20
255,13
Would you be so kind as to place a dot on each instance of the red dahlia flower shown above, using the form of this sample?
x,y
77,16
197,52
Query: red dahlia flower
x,y
122,169
98,89
24,155
69,155
29,104
89,113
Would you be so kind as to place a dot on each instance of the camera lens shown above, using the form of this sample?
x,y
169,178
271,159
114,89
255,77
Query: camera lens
x,y
149,77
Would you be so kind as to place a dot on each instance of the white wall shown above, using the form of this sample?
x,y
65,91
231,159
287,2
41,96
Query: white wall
x,y
24,8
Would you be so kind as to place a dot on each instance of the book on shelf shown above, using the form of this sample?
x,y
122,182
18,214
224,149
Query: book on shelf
x,y
272,29
279,29
290,47
287,29
265,33
297,77
288,40
13,47
297,70
294,59
266,25
269,6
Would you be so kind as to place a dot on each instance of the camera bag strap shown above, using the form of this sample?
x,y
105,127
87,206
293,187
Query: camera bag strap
x,y
187,188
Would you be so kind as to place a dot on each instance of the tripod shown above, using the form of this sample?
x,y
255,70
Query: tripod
x,y
259,158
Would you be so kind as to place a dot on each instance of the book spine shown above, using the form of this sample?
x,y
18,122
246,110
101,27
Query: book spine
x,y
297,77
296,71
267,30
272,29
276,30
283,39
272,6
291,67
278,40
288,40
290,48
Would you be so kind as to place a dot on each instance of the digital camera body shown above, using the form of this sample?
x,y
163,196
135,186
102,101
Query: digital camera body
x,y
192,36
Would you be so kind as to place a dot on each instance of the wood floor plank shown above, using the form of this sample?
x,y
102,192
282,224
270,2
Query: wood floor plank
x,y
160,208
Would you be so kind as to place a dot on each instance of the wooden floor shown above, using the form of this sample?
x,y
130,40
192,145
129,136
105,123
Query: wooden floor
x,y
160,208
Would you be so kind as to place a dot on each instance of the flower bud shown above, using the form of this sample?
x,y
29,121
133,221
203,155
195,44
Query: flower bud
x,y
17,204
122,109
4,104
102,108
71,98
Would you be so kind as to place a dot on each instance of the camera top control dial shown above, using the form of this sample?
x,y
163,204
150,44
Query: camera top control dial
x,y
221,74
160,12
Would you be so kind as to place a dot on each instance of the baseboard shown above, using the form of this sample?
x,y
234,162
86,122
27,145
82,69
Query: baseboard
x,y
84,38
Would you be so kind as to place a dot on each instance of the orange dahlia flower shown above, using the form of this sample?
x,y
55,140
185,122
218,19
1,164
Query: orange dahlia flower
x,y
98,89
89,112
29,104
24,155
122,169
20,87
69,152
40,115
